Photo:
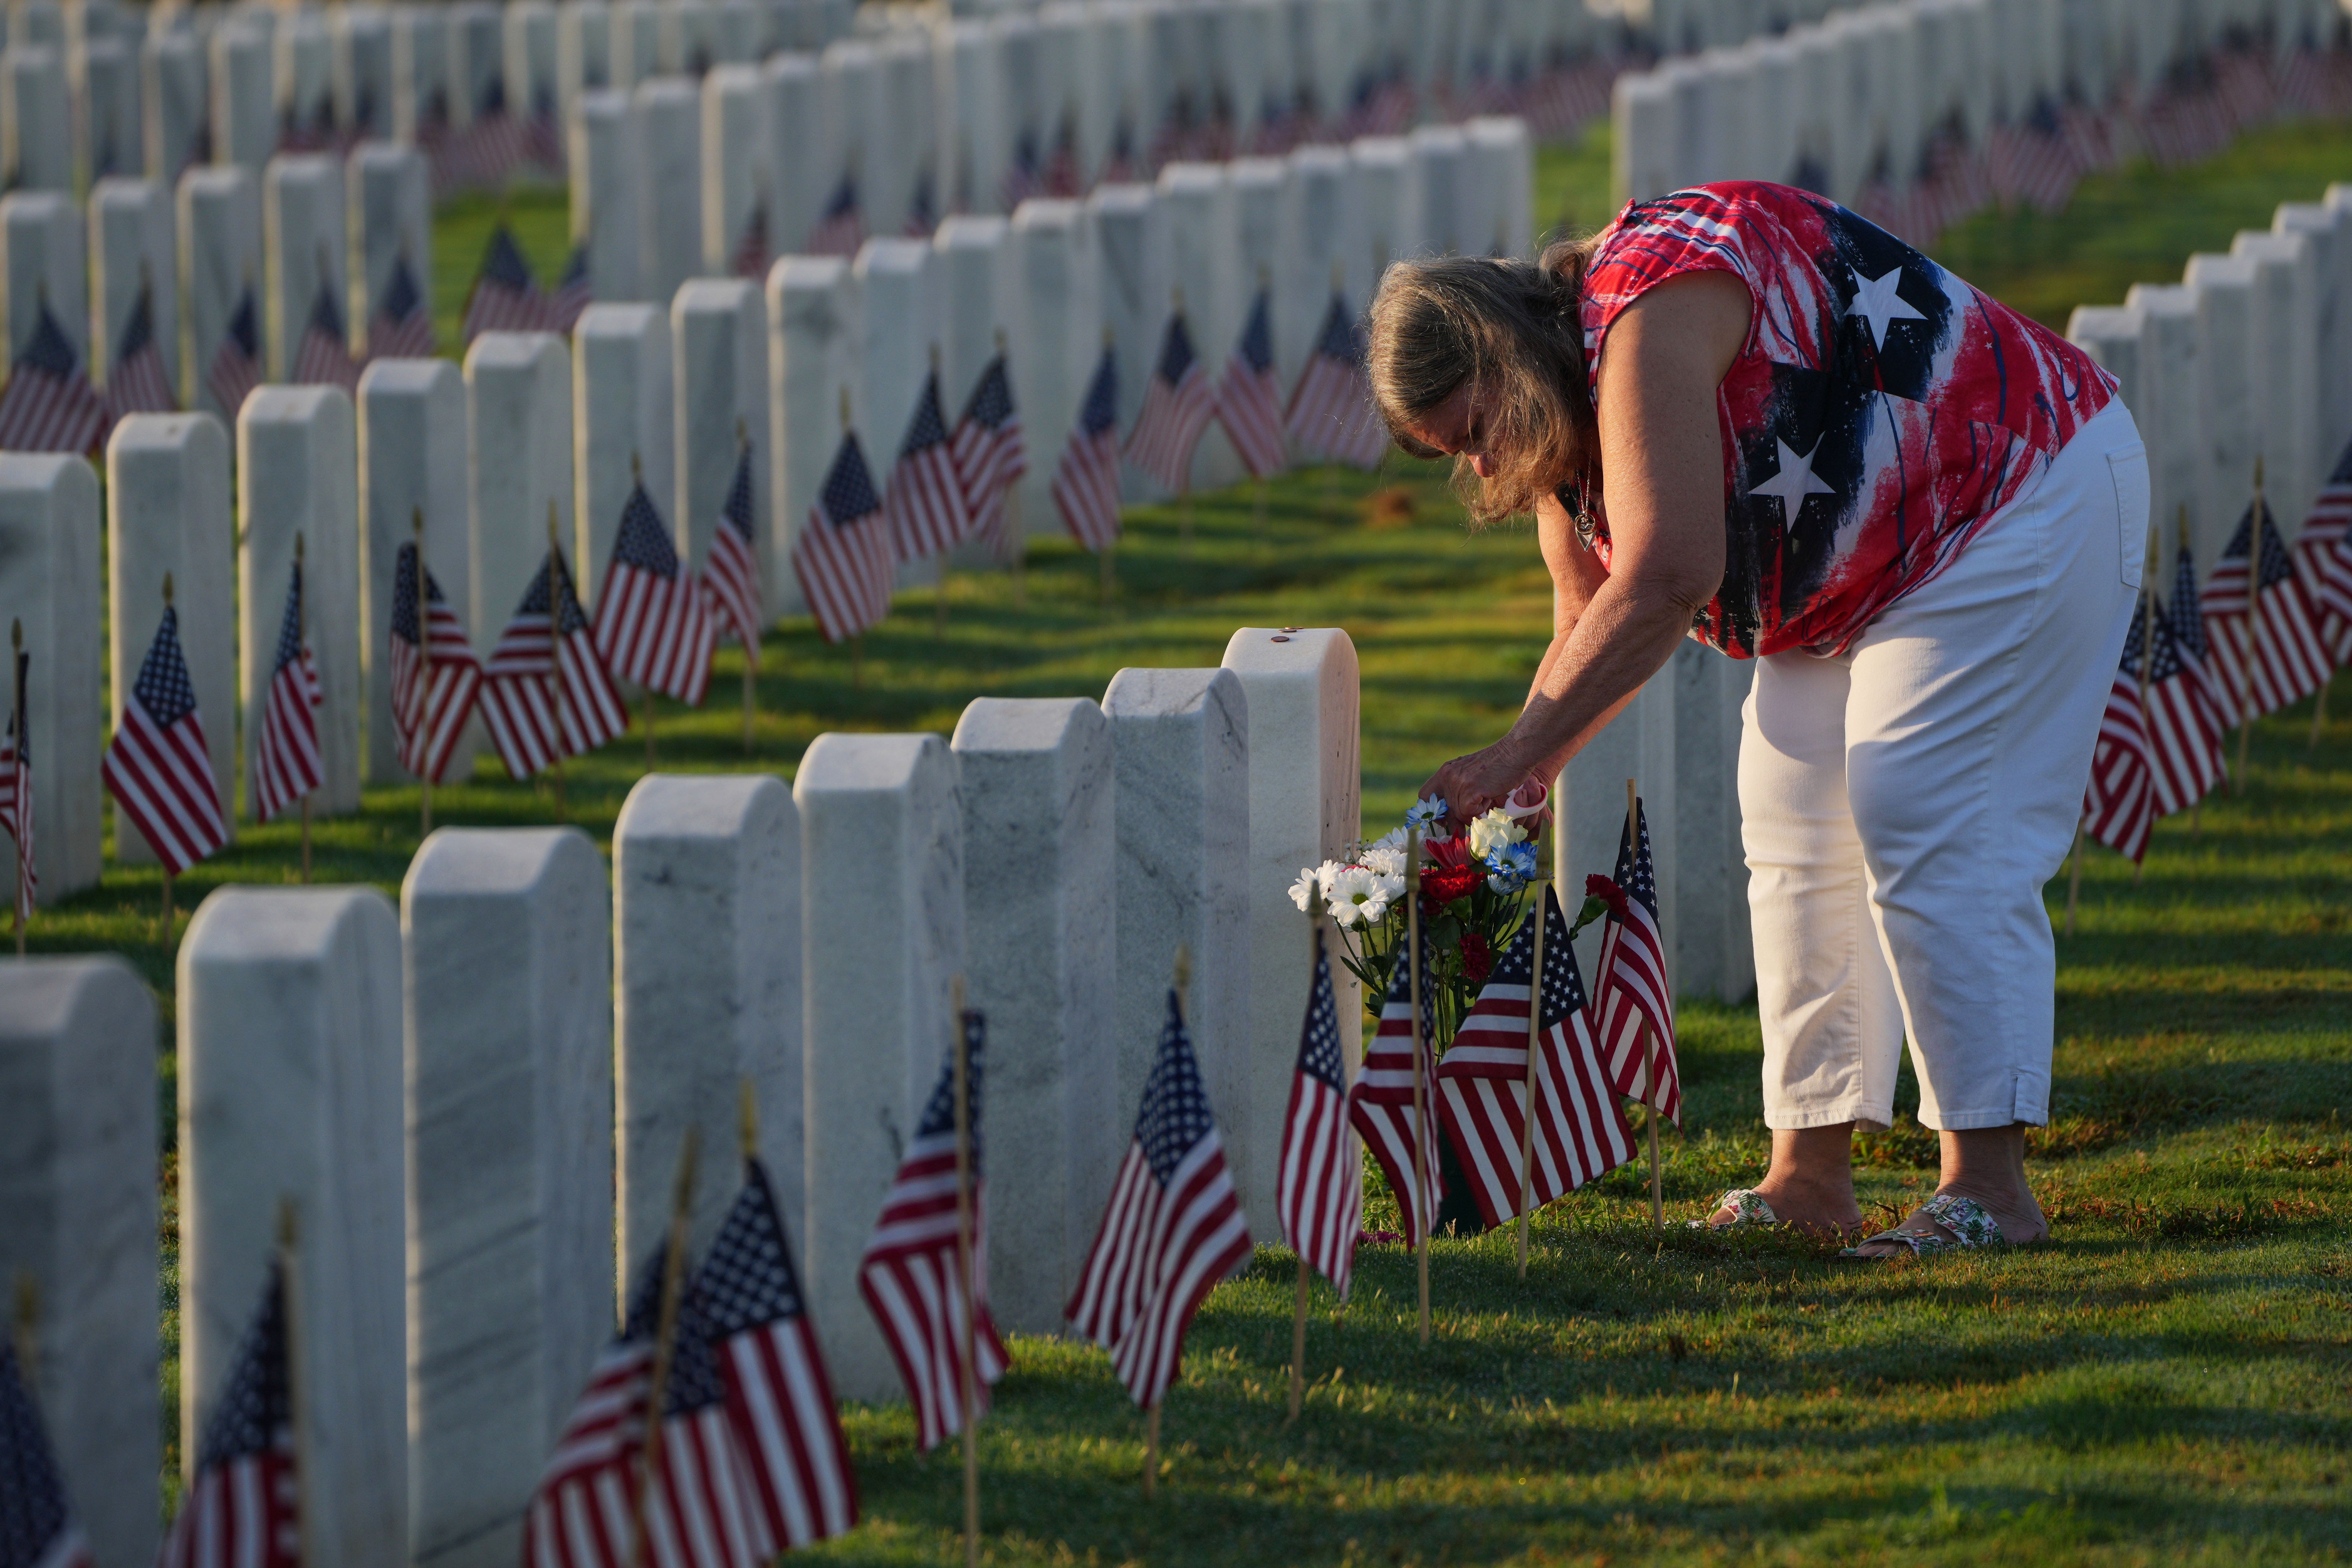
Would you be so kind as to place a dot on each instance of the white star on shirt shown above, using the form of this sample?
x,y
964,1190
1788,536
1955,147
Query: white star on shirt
x,y
1794,482
1876,301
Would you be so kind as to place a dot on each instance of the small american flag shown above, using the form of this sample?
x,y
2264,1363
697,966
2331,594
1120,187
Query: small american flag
x,y
402,327
16,796
2324,554
2185,723
2274,655
36,1526
1581,1131
1085,481
572,293
731,574
286,761
2119,802
505,296
156,766
1633,982
910,1275
1319,1197
324,356
923,506
1249,398
543,135
1177,406
1331,409
699,1509
991,457
779,1398
842,556
1381,1107
545,692
429,708
1174,1228
751,257
1026,178
49,406
841,230
652,623
243,1507
492,146
137,383
236,369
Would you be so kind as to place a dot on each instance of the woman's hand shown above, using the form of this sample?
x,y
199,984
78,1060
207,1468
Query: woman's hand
x,y
1474,784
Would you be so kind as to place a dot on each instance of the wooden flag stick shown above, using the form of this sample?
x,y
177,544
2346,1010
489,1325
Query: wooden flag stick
x,y
665,1346
1419,1082
1299,1309
1534,1032
556,599
1649,1046
2246,634
289,1285
960,1046
1183,978
424,673
2074,877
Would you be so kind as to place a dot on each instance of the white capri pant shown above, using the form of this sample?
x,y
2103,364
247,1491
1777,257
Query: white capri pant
x,y
1903,803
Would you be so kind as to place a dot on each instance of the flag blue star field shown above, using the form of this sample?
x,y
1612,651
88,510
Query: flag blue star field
x,y
1086,482
732,570
844,557
910,1275
403,327
16,794
1249,398
2185,721
1382,1104
506,298
1331,407
137,383
243,1507
236,369
1633,981
1319,1197
653,621
48,405
1177,406
546,693
1481,1087
36,1525
156,767
433,688
286,761
2119,802
324,356
2269,653
1173,1228
991,456
778,1395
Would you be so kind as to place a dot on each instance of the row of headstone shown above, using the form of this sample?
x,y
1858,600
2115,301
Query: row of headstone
x,y
2247,359
1867,96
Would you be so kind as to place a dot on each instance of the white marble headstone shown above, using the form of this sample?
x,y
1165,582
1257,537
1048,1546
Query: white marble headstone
x,y
304,244
1131,241
1205,264
812,314
2286,367
243,94
1588,804
49,581
2174,393
41,253
718,337
390,198
1715,950
519,409
1389,183
2225,287
800,174
35,136
220,258
362,38
1056,338
413,459
177,117
668,112
606,183
737,162
132,249
622,424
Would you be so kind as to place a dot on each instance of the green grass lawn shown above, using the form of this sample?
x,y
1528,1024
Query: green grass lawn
x,y
2170,1382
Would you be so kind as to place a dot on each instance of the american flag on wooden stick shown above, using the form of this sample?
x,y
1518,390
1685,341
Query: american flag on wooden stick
x,y
1581,1131
1633,981
2269,655
1331,409
597,1506
751,257
841,230
989,455
429,707
732,573
923,505
779,1398
156,766
572,293
2185,723
137,383
2119,802
16,794
236,369
842,556
402,327
286,761
1319,1196
652,623
546,693
323,358
505,296
1177,406
1173,1228
48,405
1085,481
910,1275
1249,398
1381,1106
2323,554
243,1508
36,1523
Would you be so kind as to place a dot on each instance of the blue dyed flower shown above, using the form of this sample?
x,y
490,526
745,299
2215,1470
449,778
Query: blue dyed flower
x,y
1426,813
1511,867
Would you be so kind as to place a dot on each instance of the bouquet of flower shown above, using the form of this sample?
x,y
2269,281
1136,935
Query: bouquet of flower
x,y
1474,894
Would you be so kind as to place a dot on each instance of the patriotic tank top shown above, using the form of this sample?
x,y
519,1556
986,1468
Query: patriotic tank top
x,y
1879,412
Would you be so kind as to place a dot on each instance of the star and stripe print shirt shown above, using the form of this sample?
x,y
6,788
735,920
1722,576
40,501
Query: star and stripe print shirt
x,y
1879,412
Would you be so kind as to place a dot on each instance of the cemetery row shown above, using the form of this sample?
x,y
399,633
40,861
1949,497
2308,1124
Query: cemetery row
x,y
475,1103
1917,112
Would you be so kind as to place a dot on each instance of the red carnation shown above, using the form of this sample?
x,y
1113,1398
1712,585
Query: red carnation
x,y
1448,852
1477,958
1441,885
1597,886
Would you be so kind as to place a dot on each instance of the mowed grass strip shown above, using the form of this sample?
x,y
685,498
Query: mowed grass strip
x,y
2170,1382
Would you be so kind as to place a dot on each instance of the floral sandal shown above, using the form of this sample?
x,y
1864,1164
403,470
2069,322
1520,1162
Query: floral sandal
x,y
1749,1212
1960,1224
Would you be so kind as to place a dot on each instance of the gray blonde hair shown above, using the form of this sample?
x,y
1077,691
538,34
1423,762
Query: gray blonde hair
x,y
1512,331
